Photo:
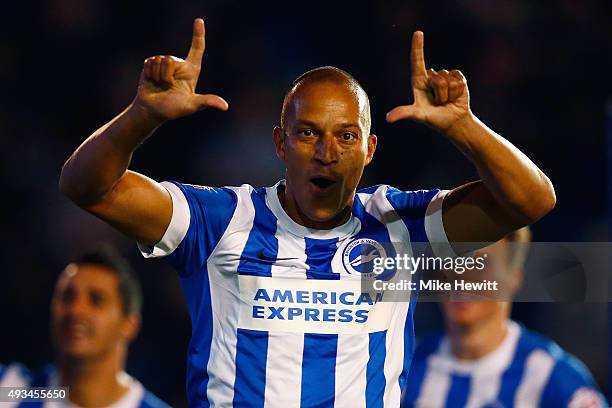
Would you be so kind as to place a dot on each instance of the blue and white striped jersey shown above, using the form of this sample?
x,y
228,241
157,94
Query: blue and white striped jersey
x,y
16,375
278,315
526,370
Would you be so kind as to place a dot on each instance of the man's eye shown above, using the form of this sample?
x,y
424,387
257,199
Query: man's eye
x,y
348,136
306,132
97,300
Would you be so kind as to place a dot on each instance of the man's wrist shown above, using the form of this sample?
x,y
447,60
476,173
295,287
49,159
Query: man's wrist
x,y
463,127
142,117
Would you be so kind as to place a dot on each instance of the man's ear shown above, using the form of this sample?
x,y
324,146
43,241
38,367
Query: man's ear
x,y
515,281
131,327
372,142
278,136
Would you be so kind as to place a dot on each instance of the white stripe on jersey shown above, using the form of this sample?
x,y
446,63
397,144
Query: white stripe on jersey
x,y
394,359
486,382
483,389
177,229
225,300
284,370
351,364
284,364
538,367
380,208
435,385
13,376
434,226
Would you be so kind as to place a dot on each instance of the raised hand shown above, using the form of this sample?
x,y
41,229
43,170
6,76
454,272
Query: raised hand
x,y
166,89
441,99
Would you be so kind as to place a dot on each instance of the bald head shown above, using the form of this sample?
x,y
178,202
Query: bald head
x,y
329,75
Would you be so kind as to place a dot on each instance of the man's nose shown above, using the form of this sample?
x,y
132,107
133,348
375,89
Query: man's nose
x,y
77,306
327,149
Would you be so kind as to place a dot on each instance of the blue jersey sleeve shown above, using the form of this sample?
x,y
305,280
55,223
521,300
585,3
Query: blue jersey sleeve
x,y
200,216
571,385
421,212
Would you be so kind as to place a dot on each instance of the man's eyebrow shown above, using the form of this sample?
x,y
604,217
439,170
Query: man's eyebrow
x,y
349,125
305,122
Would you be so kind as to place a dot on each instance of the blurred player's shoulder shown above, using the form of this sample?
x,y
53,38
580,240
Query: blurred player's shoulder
x,y
149,400
14,375
569,381
427,344
17,375
529,368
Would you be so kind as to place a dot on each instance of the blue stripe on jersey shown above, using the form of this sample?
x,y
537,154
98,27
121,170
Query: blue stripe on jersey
x,y
251,355
261,247
408,339
511,378
33,404
40,379
426,347
196,288
211,210
458,391
319,255
411,207
568,375
375,371
319,370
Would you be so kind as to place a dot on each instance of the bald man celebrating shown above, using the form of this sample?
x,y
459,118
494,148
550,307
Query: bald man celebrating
x,y
272,275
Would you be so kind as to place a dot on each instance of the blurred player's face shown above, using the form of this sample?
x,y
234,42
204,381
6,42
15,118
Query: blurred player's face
x,y
87,317
325,145
466,313
469,313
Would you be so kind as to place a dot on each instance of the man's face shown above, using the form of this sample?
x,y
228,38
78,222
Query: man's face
x,y
325,145
87,317
461,312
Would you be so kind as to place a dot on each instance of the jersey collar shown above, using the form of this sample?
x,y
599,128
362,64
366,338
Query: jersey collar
x,y
342,231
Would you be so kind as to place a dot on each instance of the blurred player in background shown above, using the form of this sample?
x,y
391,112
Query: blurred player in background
x,y
278,318
95,314
484,359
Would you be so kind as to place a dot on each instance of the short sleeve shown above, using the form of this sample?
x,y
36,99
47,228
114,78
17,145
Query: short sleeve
x,y
571,385
421,211
200,216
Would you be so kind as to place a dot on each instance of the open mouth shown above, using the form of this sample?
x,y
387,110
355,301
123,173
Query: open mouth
x,y
322,182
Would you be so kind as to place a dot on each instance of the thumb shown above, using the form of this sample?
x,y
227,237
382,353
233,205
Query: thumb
x,y
210,101
405,112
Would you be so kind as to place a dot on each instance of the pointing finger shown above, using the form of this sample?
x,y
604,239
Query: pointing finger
x,y
197,43
417,55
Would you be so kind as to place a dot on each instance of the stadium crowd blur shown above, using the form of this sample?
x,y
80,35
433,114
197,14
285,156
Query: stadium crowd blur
x,y
537,73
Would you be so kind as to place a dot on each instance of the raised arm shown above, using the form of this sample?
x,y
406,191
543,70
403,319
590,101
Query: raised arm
x,y
512,192
96,175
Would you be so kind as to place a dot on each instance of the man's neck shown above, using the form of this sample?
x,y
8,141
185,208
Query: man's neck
x,y
294,212
94,383
478,340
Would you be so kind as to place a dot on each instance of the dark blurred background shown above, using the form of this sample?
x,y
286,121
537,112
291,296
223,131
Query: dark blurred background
x,y
538,74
